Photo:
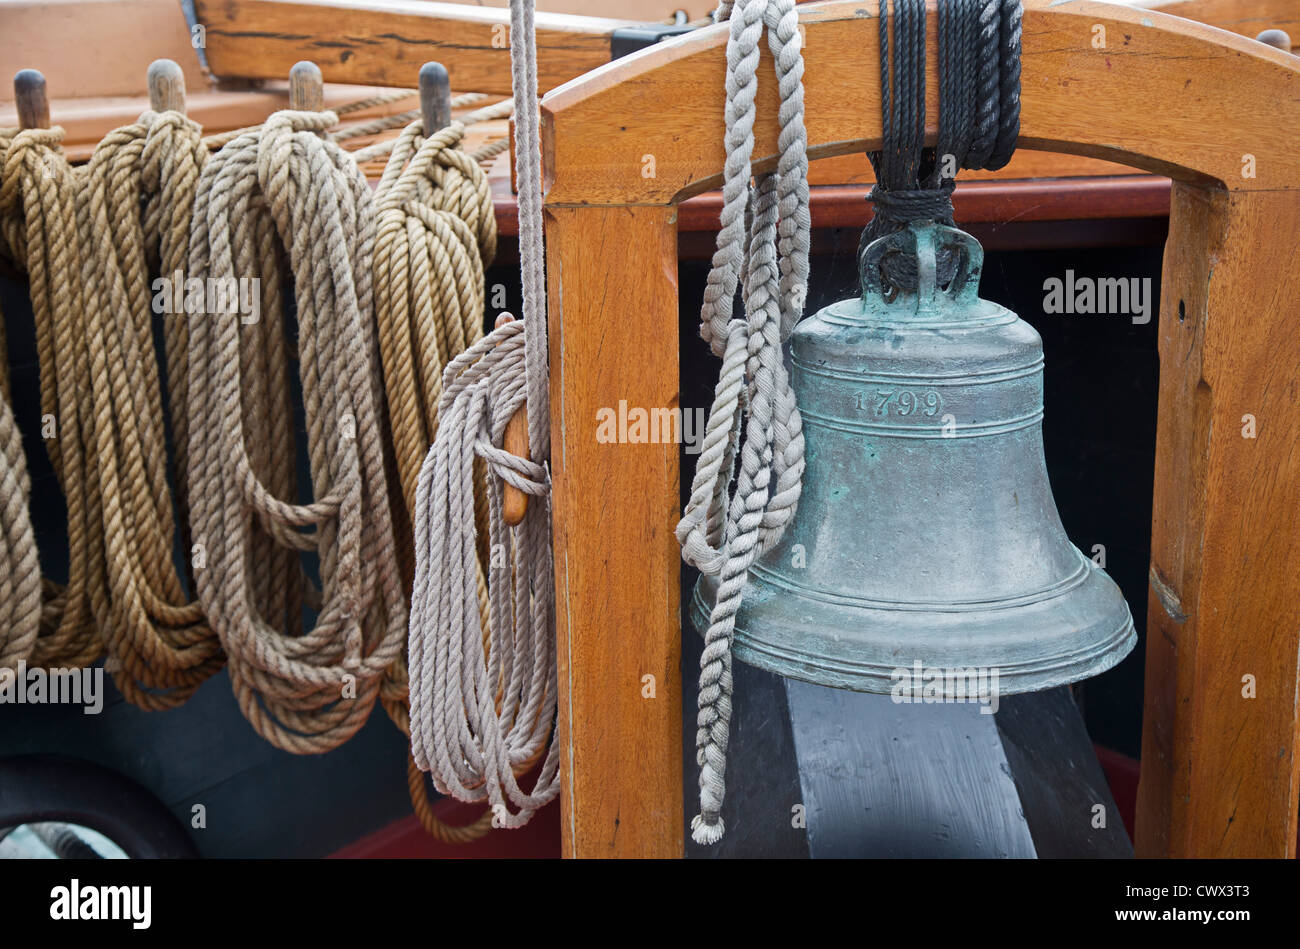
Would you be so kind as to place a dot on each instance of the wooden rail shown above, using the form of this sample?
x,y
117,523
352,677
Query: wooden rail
x,y
384,42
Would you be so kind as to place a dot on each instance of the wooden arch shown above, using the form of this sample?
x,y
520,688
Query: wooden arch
x,y
1213,111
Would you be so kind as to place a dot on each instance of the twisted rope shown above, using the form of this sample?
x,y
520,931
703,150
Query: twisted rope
x,y
134,204
20,569
38,208
305,693
435,232
483,696
722,533
979,115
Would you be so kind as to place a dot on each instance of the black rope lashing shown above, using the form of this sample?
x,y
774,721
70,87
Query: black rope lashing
x,y
979,116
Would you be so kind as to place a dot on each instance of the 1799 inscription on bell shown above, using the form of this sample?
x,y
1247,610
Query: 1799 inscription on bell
x,y
926,531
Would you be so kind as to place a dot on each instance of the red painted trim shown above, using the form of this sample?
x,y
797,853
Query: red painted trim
x,y
1037,199
1122,776
406,839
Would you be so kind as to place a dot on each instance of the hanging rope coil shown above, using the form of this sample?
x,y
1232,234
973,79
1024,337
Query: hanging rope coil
x,y
483,712
722,533
134,204
39,209
20,568
483,698
435,233
305,693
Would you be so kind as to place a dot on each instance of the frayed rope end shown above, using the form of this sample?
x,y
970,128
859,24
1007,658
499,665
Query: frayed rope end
x,y
705,833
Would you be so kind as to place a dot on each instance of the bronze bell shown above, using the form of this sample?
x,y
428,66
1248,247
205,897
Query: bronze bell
x,y
926,531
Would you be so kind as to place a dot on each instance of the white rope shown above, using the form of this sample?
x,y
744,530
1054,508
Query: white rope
x,y
483,702
723,533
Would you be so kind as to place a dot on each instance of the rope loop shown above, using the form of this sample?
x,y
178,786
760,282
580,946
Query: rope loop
x,y
38,207
286,186
754,433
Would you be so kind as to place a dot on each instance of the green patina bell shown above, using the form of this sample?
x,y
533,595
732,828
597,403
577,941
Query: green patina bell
x,y
926,531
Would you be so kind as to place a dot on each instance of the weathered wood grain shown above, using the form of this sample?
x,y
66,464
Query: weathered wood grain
x,y
383,42
1171,90
1219,768
612,278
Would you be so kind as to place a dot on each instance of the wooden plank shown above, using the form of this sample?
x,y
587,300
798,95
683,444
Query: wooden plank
x,y
1246,17
95,47
1025,163
1219,769
384,42
648,10
612,277
1202,78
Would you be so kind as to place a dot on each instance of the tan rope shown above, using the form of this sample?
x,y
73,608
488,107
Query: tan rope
x,y
134,203
38,211
375,101
20,569
489,113
435,232
373,126
311,692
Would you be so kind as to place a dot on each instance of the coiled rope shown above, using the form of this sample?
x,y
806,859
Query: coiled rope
x,y
38,206
436,231
135,198
979,116
722,533
483,706
20,568
305,693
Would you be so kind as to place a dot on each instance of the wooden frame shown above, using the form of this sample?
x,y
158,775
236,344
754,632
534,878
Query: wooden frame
x,y
383,42
1204,107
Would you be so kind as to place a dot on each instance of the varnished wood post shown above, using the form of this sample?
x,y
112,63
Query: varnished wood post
x,y
612,278
1219,765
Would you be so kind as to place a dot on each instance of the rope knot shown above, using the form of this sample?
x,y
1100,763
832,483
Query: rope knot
x,y
696,549
521,473
295,121
897,209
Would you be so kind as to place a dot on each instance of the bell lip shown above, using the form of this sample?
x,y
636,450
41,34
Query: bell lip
x,y
1033,674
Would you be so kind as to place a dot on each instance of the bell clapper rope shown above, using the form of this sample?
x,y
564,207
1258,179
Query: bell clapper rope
x,y
723,532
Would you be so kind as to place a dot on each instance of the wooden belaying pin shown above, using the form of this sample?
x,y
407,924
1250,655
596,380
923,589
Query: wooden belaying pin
x,y
435,97
514,503
1279,39
306,87
32,101
166,86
